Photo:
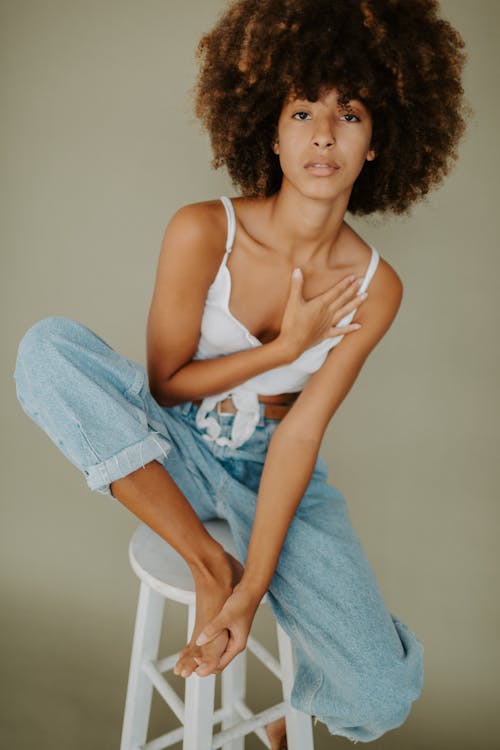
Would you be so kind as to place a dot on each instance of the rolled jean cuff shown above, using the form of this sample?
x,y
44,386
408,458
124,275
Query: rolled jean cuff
x,y
99,476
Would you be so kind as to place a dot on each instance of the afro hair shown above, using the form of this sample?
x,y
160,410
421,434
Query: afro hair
x,y
398,57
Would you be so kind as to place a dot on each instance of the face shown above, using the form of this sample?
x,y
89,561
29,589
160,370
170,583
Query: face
x,y
323,145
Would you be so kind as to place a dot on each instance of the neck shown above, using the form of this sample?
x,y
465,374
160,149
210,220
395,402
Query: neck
x,y
308,228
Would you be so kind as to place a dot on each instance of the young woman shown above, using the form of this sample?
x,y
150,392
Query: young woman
x,y
316,109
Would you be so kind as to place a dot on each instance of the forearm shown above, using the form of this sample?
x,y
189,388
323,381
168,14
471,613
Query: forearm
x,y
288,468
206,377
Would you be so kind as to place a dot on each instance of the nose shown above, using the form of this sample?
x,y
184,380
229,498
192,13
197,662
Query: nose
x,y
324,137
324,141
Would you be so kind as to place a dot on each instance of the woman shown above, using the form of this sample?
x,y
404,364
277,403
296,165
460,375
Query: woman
x,y
315,109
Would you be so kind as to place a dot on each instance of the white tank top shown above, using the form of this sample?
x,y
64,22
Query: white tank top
x,y
222,333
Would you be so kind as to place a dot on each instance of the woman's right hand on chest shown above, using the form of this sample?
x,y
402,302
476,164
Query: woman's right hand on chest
x,y
307,322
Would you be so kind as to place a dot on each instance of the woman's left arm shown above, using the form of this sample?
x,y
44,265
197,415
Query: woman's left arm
x,y
293,451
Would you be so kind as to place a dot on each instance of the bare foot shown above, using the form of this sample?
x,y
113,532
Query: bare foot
x,y
276,731
212,589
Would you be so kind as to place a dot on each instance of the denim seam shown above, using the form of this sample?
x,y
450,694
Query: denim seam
x,y
219,492
138,382
319,682
89,444
316,687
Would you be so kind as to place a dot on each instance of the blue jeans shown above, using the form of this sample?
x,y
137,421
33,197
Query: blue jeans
x,y
358,667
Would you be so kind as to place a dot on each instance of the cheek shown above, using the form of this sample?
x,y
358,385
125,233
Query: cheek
x,y
289,160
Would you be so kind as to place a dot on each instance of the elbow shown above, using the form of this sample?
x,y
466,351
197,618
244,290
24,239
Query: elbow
x,y
161,396
165,397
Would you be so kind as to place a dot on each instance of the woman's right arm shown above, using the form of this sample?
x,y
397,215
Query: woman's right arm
x,y
187,265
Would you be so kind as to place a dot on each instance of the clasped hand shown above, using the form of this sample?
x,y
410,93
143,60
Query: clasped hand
x,y
236,616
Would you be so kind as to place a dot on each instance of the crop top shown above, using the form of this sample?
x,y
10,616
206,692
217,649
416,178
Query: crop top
x,y
222,334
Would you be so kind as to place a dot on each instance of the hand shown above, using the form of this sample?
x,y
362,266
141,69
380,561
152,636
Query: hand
x,y
306,323
236,616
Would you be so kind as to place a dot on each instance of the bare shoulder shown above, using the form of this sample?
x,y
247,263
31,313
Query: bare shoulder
x,y
201,227
385,289
385,292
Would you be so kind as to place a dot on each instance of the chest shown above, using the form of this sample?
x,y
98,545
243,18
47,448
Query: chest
x,y
257,292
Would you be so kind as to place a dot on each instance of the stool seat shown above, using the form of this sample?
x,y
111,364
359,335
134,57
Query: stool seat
x,y
160,566
164,575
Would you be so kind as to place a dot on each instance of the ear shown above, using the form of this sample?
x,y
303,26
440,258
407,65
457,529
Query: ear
x,y
276,146
371,155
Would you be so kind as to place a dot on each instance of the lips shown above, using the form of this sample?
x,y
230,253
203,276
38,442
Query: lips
x,y
322,163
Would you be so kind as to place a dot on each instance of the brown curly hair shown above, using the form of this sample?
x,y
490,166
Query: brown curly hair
x,y
398,57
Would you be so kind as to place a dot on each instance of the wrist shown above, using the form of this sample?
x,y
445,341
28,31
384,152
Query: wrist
x,y
252,589
286,353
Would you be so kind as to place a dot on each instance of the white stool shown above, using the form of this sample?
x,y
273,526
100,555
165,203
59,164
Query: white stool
x,y
164,574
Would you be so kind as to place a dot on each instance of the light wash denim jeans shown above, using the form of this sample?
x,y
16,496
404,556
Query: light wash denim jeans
x,y
358,667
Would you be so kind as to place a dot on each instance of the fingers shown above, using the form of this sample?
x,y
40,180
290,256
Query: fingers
x,y
342,291
206,666
339,312
210,631
235,645
341,330
229,655
297,282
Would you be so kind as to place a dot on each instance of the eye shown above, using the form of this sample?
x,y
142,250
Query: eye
x,y
350,114
301,113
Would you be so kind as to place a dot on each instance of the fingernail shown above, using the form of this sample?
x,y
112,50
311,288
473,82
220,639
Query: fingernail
x,y
297,273
202,638
184,673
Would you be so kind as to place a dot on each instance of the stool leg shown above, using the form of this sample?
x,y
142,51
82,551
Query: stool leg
x,y
233,688
147,633
298,724
198,704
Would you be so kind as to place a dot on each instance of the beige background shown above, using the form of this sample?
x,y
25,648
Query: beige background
x,y
99,147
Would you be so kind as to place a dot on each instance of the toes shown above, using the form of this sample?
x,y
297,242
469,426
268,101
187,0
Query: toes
x,y
208,655
185,663
186,668
206,668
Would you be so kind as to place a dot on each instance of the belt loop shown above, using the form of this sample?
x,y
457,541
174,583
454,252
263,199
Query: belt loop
x,y
185,407
262,408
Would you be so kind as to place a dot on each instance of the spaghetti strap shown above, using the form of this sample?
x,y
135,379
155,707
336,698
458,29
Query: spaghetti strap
x,y
372,267
231,222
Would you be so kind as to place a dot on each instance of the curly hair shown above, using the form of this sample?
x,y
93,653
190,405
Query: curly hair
x,y
398,57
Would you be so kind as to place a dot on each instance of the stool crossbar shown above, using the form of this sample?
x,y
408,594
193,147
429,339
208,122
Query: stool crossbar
x,y
165,575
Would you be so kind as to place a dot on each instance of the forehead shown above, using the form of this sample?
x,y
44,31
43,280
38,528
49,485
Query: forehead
x,y
329,96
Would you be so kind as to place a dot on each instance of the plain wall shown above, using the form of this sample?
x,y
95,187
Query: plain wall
x,y
99,146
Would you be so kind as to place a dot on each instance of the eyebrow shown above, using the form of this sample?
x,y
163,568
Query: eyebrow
x,y
350,105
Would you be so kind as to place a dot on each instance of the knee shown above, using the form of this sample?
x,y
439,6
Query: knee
x,y
35,350
40,337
